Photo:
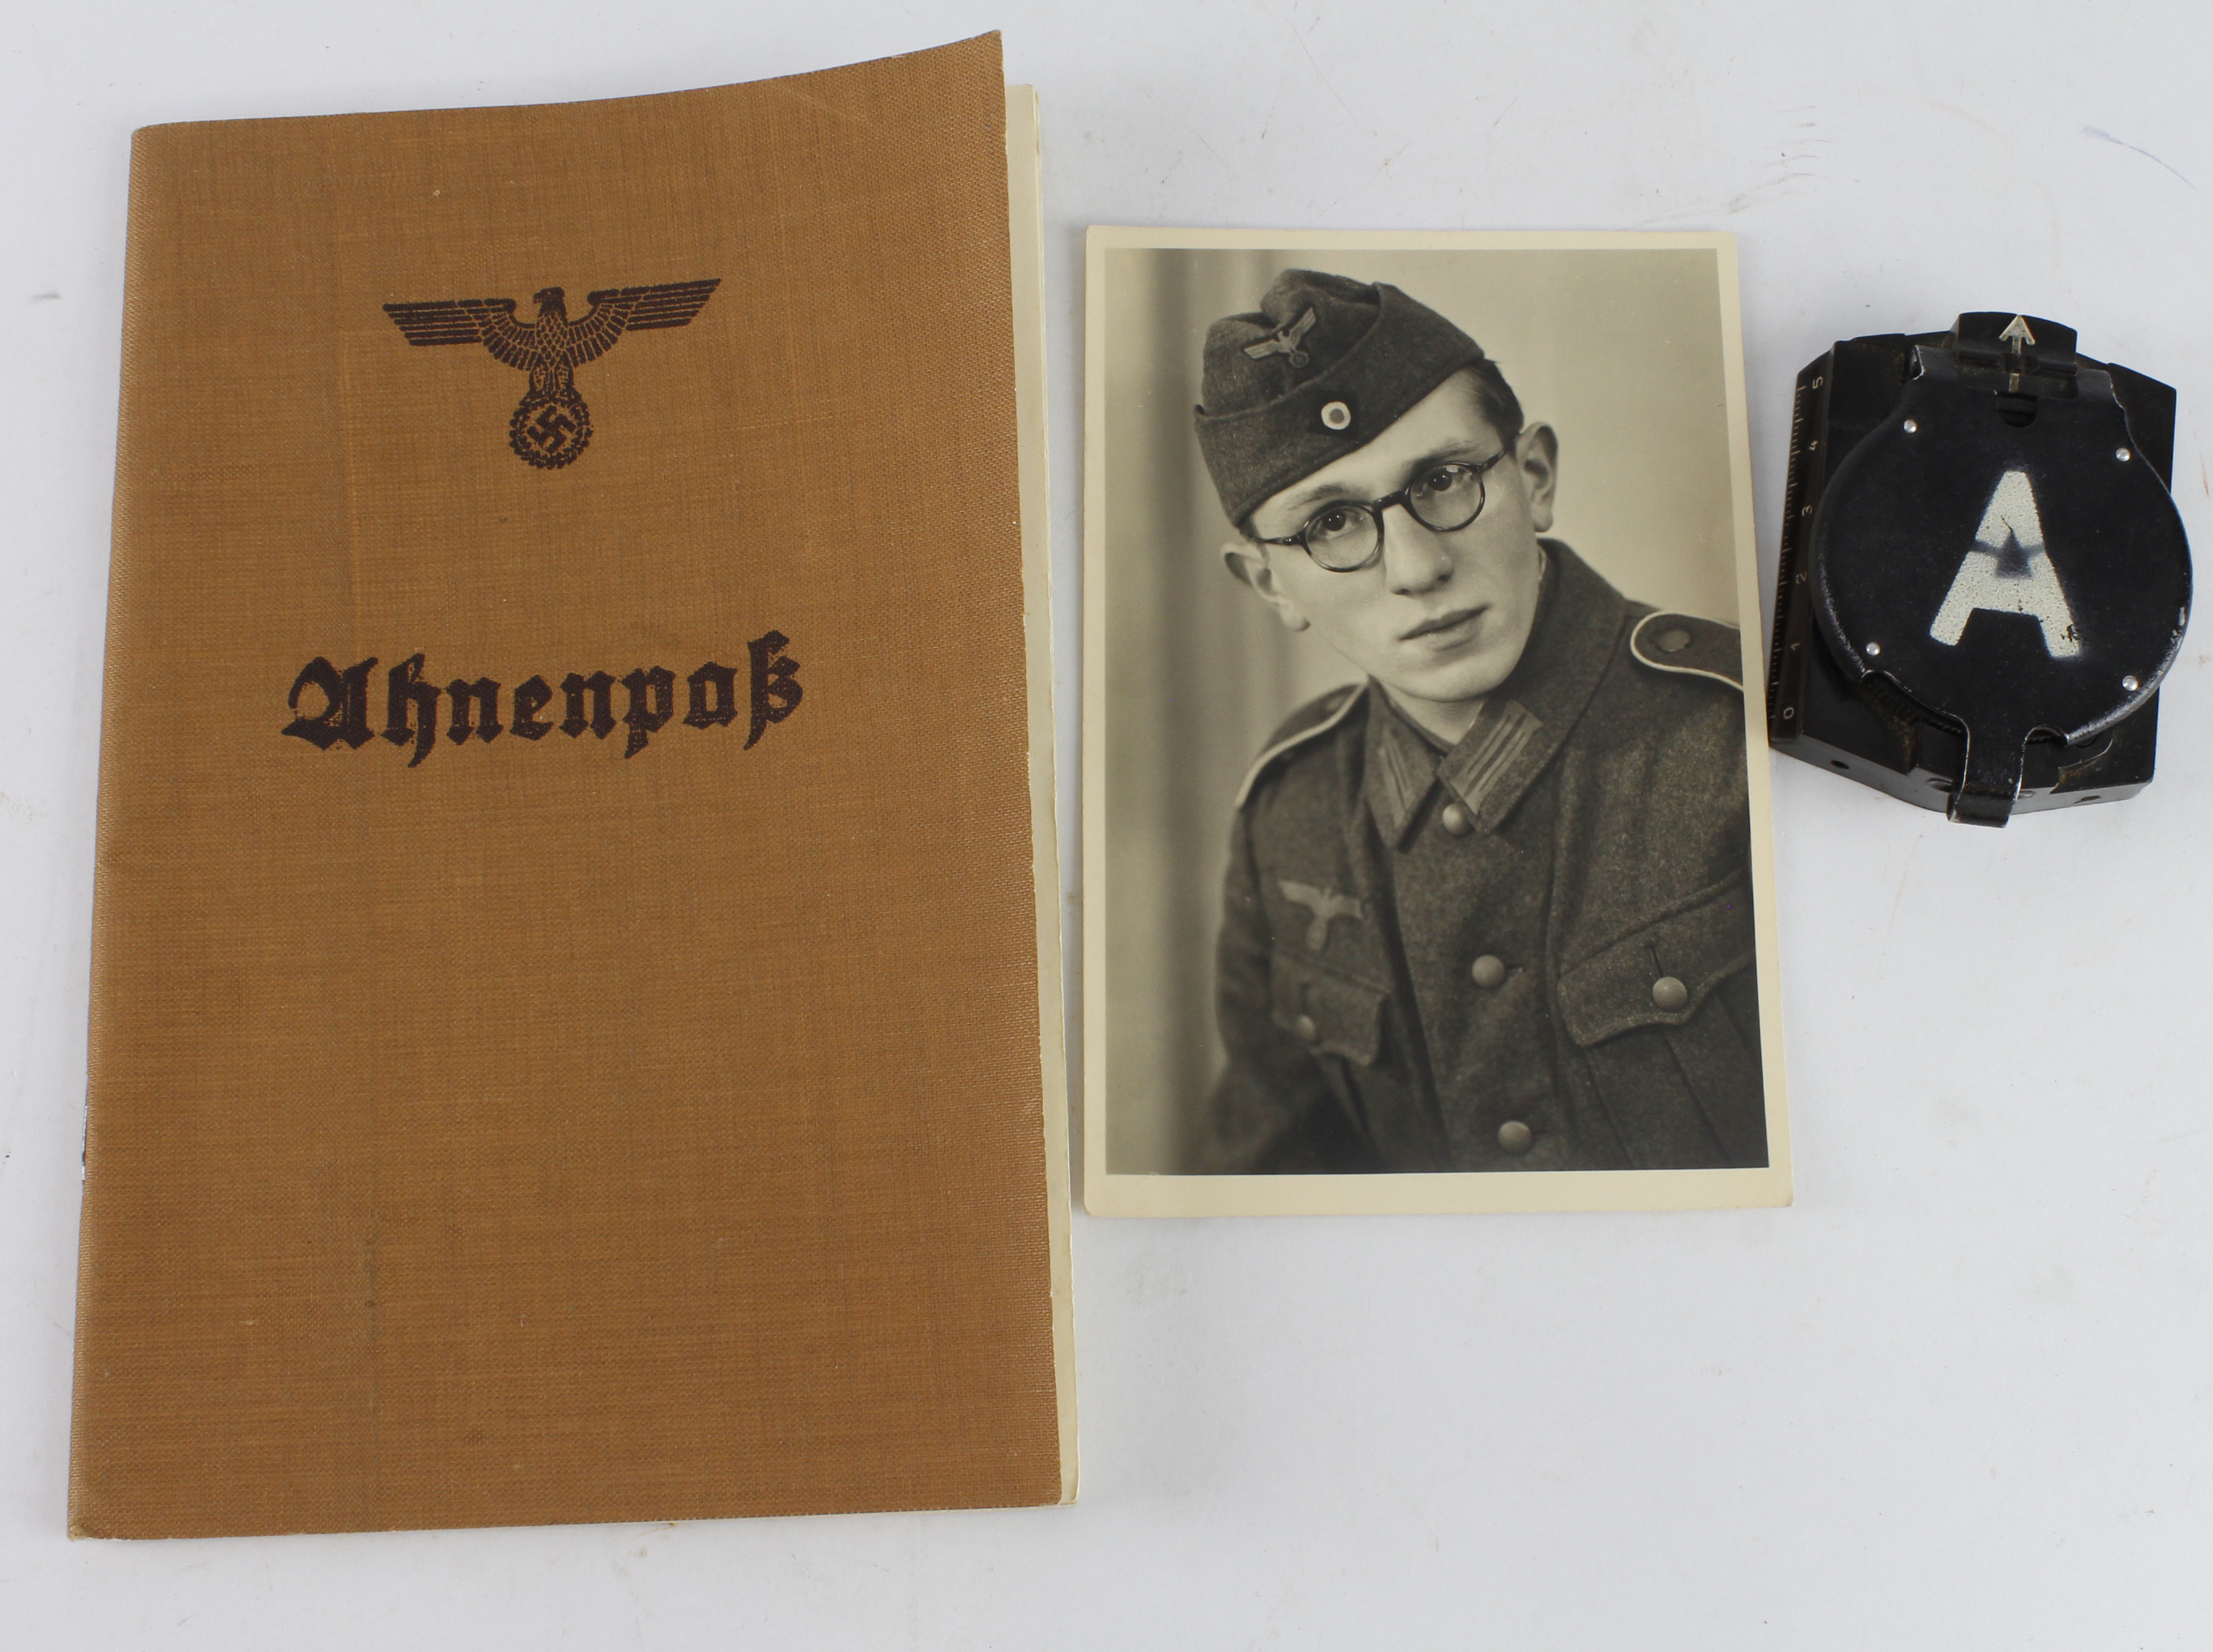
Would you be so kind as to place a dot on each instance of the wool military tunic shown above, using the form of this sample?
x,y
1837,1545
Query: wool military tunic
x,y
1532,951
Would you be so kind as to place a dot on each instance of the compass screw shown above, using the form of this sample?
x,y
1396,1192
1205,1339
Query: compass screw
x,y
2131,684
2121,454
1875,648
1912,425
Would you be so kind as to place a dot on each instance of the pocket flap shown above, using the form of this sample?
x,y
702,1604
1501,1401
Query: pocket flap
x,y
1327,1012
1628,984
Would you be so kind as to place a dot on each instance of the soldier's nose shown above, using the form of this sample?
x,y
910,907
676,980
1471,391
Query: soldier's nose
x,y
1414,558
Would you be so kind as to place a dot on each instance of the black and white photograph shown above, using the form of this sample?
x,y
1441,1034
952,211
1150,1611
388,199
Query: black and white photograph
x,y
1426,870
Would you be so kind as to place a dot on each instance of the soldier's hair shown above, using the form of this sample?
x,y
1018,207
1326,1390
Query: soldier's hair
x,y
1494,398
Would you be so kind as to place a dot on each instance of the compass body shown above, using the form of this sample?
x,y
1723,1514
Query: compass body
x,y
1983,578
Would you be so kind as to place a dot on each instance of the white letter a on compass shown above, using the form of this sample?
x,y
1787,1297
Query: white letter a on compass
x,y
2025,582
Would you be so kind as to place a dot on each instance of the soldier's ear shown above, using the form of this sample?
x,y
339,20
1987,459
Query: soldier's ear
x,y
1248,560
1537,454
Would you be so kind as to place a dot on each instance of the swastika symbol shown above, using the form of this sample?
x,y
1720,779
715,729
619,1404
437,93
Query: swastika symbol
x,y
551,428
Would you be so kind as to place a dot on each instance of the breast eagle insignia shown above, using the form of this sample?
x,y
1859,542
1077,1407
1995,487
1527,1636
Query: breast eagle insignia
x,y
551,425
1325,905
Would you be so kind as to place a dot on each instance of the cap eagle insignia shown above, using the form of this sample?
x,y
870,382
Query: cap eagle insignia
x,y
551,425
1284,341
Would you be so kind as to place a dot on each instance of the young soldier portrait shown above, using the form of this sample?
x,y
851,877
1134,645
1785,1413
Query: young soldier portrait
x,y
1490,908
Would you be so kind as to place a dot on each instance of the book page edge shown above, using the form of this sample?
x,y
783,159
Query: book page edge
x,y
1026,233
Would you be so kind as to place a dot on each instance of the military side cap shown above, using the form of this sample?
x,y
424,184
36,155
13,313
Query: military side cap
x,y
1319,370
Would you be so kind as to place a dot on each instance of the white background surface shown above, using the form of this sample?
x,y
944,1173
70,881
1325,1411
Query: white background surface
x,y
1959,1395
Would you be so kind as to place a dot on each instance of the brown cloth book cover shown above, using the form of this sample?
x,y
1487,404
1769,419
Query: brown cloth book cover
x,y
575,1027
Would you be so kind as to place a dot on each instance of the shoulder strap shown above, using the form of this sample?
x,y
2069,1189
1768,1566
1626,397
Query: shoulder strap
x,y
1335,706
1687,646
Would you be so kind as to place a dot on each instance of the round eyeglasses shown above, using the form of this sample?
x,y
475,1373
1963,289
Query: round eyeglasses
x,y
1346,535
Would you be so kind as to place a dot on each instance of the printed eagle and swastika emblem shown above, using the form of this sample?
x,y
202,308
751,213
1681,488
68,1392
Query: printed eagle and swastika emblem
x,y
551,425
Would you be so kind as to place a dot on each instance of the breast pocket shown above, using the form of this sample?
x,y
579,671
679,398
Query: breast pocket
x,y
1327,1014
1667,1021
1350,1027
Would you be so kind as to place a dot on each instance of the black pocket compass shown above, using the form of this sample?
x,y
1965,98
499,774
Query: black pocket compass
x,y
1983,578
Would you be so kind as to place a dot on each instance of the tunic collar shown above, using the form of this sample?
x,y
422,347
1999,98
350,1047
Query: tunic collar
x,y
1523,720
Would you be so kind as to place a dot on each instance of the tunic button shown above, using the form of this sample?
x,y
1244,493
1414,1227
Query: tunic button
x,y
1307,1031
1457,820
1488,971
1675,642
1514,1137
1670,994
